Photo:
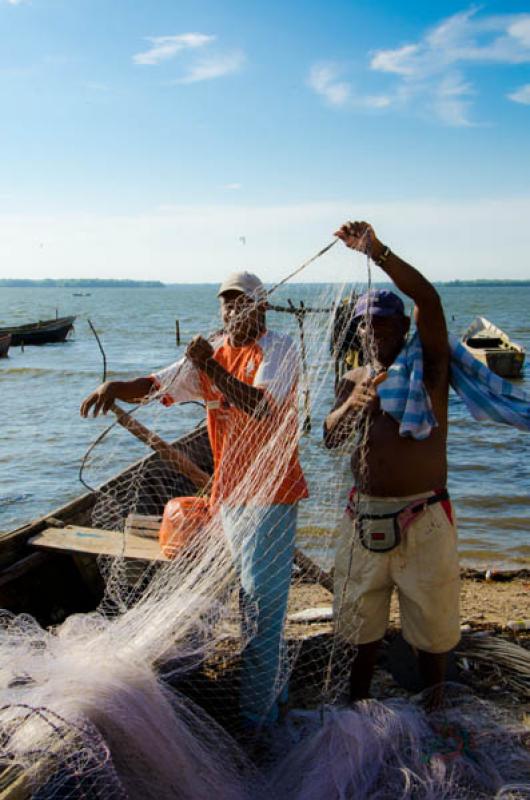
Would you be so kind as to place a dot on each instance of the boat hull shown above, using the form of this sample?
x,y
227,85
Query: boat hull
x,y
505,363
5,343
39,333
493,347
51,586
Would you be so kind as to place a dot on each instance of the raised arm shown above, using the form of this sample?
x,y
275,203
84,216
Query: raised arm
x,y
429,313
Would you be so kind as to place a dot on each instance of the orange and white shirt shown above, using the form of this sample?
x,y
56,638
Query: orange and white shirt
x,y
251,465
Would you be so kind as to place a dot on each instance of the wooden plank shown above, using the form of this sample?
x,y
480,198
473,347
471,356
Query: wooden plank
x,y
97,541
145,525
13,543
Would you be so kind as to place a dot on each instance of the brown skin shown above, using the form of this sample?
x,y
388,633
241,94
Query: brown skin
x,y
392,465
243,321
100,401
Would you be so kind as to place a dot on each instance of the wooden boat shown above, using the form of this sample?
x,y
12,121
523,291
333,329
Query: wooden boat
x,y
44,581
45,331
494,348
5,342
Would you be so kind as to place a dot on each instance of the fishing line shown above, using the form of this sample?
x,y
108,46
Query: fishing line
x,y
303,266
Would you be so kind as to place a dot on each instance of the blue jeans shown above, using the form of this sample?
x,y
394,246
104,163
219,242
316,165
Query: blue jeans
x,y
262,545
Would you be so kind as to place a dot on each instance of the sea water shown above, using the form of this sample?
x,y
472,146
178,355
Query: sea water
x,y
44,439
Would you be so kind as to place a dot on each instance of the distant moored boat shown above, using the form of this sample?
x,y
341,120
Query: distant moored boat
x,y
43,332
5,341
494,348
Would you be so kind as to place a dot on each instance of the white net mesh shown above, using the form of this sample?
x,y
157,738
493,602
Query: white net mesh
x,y
191,664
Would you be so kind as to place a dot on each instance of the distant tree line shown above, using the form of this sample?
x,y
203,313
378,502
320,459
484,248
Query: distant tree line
x,y
82,283
485,282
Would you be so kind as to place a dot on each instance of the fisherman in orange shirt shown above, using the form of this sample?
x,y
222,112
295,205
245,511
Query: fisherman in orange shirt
x,y
247,376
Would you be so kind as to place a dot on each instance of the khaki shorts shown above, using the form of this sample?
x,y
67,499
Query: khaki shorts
x,y
424,568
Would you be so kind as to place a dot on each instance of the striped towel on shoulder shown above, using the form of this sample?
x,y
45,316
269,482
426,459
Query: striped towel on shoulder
x,y
486,395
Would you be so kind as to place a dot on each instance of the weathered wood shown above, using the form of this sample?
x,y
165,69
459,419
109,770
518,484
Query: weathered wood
x,y
12,544
143,525
97,541
169,453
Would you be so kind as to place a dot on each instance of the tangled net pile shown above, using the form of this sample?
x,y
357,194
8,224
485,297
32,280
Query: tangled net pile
x,y
140,698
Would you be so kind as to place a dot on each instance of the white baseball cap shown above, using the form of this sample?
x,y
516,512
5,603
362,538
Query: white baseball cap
x,y
245,282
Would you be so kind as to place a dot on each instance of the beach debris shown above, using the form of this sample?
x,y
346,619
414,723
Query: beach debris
x,y
320,614
518,624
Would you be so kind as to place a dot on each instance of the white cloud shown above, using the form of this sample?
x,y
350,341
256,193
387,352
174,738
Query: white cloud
x,y
166,47
520,30
400,61
215,67
324,79
450,101
465,37
521,95
234,187
429,73
16,2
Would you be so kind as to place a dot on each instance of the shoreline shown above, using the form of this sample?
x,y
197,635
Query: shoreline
x,y
486,603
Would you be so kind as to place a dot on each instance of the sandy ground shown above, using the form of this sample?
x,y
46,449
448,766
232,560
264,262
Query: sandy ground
x,y
486,609
484,604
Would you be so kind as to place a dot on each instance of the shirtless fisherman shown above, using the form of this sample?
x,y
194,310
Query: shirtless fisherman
x,y
392,472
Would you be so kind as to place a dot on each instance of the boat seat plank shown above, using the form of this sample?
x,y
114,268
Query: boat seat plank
x,y
99,542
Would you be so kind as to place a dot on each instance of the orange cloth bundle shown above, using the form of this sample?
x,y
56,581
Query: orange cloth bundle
x,y
183,519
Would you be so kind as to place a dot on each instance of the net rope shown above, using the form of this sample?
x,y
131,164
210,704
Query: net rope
x,y
142,697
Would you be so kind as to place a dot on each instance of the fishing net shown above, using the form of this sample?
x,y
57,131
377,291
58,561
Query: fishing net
x,y
46,756
214,669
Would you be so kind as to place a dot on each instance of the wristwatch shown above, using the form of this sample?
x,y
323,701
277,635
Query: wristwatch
x,y
381,261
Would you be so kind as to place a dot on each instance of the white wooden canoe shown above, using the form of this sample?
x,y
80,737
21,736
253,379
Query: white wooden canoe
x,y
493,347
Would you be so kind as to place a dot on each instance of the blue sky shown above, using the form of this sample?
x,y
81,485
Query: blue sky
x,y
145,139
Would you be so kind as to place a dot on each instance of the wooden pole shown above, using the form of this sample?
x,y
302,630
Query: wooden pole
x,y
300,313
171,455
177,332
